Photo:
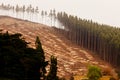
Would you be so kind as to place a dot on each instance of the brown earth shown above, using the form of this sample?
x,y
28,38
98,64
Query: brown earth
x,y
71,58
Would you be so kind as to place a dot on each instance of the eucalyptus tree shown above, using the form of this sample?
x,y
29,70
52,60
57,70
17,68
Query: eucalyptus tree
x,y
42,15
36,12
45,13
45,16
13,9
2,6
8,8
30,6
51,15
36,9
32,12
28,10
23,10
54,14
17,10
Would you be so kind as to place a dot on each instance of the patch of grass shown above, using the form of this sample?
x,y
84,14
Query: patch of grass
x,y
85,78
80,78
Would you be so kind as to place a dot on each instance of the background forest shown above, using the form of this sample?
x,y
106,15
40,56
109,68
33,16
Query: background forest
x,y
100,39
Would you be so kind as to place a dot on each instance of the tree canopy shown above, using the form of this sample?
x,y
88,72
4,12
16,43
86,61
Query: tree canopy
x,y
94,73
101,39
20,62
52,75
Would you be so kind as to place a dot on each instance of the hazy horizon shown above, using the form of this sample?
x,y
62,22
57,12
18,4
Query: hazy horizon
x,y
101,11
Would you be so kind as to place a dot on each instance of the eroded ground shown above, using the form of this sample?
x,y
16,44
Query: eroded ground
x,y
71,58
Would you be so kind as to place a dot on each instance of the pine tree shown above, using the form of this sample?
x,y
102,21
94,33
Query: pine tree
x,y
53,69
41,56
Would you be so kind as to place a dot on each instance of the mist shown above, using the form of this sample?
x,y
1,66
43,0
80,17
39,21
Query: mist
x,y
101,11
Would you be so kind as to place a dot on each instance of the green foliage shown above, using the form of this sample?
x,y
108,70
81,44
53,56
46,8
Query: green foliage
x,y
41,56
94,73
52,75
101,39
18,61
39,45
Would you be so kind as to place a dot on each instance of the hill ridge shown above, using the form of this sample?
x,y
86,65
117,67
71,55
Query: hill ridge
x,y
71,58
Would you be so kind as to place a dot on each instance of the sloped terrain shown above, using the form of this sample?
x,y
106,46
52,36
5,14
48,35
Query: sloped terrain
x,y
71,58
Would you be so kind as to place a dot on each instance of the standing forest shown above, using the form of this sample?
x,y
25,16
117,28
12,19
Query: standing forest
x,y
18,61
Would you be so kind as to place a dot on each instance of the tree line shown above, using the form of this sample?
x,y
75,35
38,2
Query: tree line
x,y
20,62
30,10
104,40
17,8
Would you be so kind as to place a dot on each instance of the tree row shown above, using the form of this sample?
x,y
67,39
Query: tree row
x,y
101,39
30,10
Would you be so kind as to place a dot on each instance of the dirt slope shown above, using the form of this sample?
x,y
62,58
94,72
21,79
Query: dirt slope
x,y
71,58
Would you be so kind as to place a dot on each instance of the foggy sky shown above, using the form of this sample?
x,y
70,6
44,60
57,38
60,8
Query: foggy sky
x,y
102,11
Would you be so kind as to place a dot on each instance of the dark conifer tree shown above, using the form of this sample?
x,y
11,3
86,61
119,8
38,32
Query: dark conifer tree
x,y
40,52
101,39
52,75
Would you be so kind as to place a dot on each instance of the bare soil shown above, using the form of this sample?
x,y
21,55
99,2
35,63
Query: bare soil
x,y
71,58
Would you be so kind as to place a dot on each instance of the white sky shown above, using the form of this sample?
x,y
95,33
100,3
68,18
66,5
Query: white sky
x,y
102,11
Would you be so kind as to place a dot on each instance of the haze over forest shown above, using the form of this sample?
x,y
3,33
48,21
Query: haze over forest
x,y
101,11
59,40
